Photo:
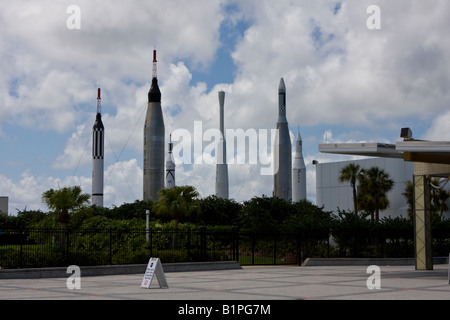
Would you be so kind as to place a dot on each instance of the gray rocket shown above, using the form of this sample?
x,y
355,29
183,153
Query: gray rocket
x,y
221,166
283,148
98,151
298,172
154,141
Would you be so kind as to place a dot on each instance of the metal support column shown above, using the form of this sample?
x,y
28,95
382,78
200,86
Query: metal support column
x,y
422,223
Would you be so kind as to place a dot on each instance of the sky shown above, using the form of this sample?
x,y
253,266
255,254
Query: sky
x,y
352,74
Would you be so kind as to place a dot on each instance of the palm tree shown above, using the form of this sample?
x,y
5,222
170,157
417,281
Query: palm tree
x,y
374,184
439,197
442,196
178,202
63,201
409,195
350,173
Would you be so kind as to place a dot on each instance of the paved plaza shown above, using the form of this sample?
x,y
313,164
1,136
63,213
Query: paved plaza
x,y
248,283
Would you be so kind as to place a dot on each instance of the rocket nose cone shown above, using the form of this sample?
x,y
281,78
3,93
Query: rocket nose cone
x,y
298,144
281,87
221,98
154,95
98,124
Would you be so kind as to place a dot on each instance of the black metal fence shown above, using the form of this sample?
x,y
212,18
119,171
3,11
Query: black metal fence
x,y
53,248
86,247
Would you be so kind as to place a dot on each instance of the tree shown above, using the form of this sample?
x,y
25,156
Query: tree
x,y
128,211
216,211
439,197
374,184
352,231
409,195
178,202
265,214
63,201
314,222
29,218
350,173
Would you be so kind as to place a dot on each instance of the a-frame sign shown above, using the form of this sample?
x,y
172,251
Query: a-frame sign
x,y
154,267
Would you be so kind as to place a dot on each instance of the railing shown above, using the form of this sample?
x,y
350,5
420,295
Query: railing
x,y
53,248
34,248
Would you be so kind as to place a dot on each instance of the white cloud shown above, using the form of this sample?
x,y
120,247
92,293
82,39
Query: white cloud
x,y
52,66
77,150
337,72
439,129
27,192
122,183
334,66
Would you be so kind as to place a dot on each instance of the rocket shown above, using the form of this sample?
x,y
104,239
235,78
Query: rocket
x,y
221,166
298,172
282,150
154,144
170,167
98,148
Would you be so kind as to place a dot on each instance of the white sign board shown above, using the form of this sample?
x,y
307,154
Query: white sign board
x,y
154,267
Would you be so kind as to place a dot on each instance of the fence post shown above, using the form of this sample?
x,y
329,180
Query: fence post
x,y
188,230
275,249
203,242
67,232
238,234
299,246
235,242
110,246
253,248
328,244
21,249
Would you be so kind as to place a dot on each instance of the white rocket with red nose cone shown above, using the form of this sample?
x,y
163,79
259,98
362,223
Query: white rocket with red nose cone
x,y
98,151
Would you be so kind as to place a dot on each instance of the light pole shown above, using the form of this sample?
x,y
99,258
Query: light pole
x,y
147,216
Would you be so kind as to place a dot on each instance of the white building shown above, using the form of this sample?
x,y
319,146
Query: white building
x,y
4,204
332,194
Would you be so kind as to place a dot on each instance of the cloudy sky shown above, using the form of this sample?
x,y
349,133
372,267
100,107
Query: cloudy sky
x,y
345,82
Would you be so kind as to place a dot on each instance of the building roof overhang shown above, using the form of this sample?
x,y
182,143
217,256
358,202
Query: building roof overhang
x,y
408,150
374,149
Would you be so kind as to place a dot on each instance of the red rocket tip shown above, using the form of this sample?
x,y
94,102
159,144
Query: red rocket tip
x,y
99,103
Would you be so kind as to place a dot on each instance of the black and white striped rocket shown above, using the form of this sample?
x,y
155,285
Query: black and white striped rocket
x,y
154,141
98,151
283,148
221,166
170,167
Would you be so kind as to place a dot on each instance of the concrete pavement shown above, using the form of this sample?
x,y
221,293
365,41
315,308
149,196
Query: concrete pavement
x,y
248,283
